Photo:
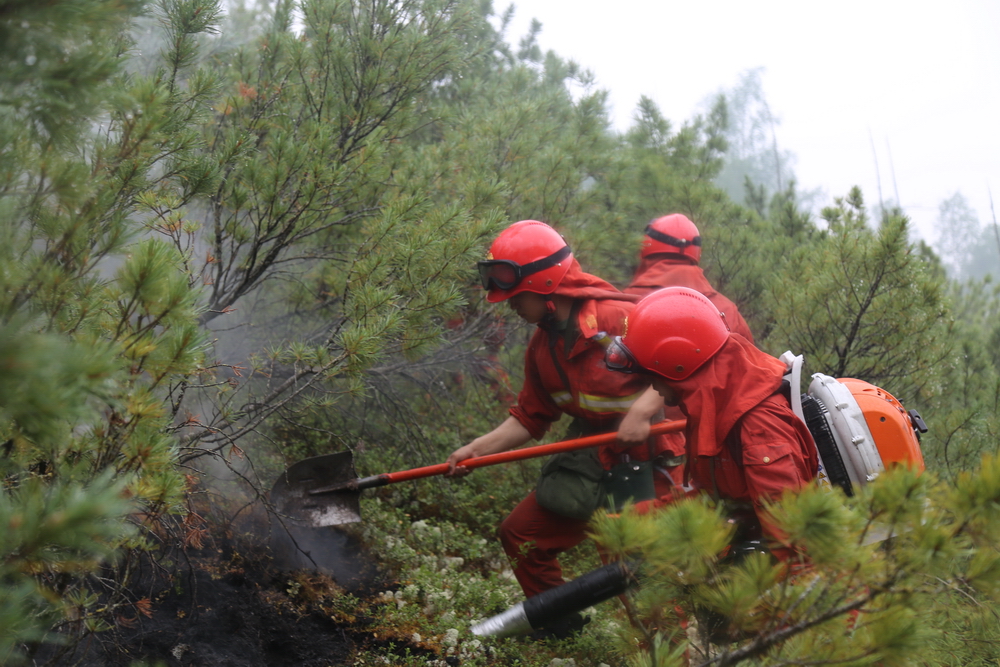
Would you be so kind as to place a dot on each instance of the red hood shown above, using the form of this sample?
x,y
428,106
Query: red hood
x,y
580,285
735,380
656,272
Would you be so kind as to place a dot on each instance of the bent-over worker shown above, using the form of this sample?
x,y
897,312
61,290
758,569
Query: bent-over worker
x,y
532,268
745,445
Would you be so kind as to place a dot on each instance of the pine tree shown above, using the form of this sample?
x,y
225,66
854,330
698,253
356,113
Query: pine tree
x,y
964,404
858,302
95,319
327,266
886,576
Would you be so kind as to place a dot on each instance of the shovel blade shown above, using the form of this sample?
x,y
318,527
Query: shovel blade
x,y
290,493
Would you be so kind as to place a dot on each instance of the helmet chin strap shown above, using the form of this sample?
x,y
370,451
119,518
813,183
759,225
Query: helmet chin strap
x,y
549,319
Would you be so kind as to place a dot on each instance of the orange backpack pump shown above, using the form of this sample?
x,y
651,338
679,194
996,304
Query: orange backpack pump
x,y
860,430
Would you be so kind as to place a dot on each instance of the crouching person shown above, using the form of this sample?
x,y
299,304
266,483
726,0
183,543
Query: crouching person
x,y
744,444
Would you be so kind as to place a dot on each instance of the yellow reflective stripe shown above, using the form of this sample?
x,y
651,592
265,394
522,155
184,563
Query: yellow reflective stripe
x,y
608,403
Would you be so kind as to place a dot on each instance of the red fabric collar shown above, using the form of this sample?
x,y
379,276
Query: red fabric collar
x,y
734,381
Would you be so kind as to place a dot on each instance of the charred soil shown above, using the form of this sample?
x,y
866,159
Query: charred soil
x,y
244,605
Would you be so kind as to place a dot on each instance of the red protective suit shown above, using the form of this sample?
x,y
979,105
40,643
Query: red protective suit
x,y
658,271
596,396
740,388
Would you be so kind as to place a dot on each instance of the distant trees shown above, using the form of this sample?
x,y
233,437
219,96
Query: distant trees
x,y
969,248
755,164
958,230
966,395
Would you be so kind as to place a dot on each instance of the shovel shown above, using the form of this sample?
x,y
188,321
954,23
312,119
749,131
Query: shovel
x,y
325,490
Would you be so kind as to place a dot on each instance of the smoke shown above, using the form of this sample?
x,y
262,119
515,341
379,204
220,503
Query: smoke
x,y
331,550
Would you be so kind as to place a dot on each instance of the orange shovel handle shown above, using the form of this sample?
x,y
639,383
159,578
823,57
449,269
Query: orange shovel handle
x,y
659,428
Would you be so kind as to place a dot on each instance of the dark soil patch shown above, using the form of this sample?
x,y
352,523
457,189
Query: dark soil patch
x,y
231,621
276,608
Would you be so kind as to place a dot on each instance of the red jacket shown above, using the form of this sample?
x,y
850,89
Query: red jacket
x,y
597,396
656,272
740,388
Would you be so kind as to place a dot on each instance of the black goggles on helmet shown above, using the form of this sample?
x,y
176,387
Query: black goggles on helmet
x,y
505,274
671,240
618,358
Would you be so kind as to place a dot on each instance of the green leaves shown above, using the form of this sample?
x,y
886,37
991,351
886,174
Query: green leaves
x,y
896,635
93,320
976,495
57,61
64,523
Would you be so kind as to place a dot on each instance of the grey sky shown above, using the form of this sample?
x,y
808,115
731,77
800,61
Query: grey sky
x,y
920,80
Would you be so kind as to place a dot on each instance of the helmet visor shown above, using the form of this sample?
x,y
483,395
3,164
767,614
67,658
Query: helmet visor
x,y
505,274
618,358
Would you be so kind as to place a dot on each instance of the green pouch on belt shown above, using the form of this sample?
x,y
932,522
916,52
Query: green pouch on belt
x,y
571,484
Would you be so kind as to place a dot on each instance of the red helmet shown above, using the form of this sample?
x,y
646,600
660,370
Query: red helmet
x,y
672,332
674,234
528,256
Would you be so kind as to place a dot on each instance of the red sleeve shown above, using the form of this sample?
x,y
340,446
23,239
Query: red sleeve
x,y
535,409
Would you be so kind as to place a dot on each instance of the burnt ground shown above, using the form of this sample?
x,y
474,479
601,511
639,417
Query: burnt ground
x,y
234,619
245,607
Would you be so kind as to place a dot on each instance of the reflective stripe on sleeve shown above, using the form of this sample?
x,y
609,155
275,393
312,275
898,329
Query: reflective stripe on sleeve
x,y
562,398
608,403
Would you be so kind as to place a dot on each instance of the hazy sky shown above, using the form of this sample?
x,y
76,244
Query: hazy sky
x,y
914,85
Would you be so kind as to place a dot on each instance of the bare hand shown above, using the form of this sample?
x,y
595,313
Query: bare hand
x,y
633,430
455,467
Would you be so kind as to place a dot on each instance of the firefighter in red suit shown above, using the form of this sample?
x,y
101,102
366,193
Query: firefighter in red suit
x,y
744,443
532,268
671,250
